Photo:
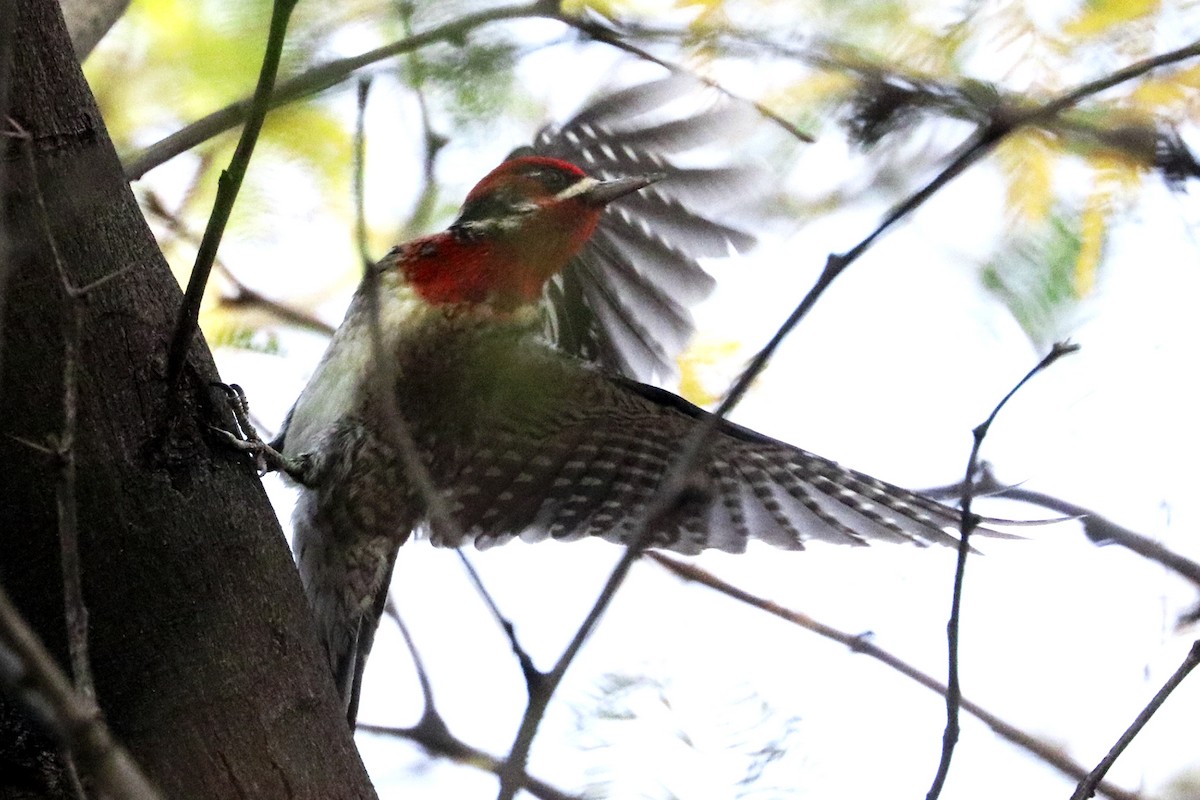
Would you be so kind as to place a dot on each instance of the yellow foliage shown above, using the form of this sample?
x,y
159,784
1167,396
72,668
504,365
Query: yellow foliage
x,y
711,14
1119,174
1093,224
1027,160
1168,92
311,133
700,357
1115,177
612,9
1099,16
817,88
1189,77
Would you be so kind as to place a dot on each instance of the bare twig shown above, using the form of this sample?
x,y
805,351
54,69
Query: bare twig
x,y
245,295
1098,528
445,744
63,444
1087,787
384,376
533,678
1050,753
31,677
228,186
360,163
395,425
319,78
1135,70
613,38
393,612
968,523
8,28
431,731
433,141
962,100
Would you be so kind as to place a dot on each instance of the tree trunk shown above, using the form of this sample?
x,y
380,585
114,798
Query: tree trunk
x,y
206,663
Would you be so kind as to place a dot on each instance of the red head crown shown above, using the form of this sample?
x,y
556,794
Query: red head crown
x,y
519,226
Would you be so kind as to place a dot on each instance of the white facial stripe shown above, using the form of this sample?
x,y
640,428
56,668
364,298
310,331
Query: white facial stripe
x,y
580,186
508,222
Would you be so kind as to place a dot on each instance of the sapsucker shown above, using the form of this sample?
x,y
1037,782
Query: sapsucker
x,y
517,337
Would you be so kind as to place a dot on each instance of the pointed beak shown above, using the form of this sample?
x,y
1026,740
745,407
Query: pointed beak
x,y
603,192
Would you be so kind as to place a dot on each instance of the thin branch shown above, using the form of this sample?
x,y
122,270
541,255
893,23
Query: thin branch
x,y
245,295
322,77
965,100
1135,70
252,298
28,672
319,78
63,444
533,677
433,141
1050,753
360,159
449,746
228,186
431,731
423,681
968,523
1087,787
1097,527
8,29
395,426
612,38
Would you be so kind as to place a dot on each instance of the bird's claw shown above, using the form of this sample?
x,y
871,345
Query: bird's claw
x,y
246,439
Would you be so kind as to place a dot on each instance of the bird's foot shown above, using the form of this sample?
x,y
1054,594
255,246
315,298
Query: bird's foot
x,y
246,439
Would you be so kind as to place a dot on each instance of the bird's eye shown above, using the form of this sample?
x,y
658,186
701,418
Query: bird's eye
x,y
552,180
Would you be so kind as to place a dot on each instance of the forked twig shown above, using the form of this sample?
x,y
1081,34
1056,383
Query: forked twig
x,y
968,523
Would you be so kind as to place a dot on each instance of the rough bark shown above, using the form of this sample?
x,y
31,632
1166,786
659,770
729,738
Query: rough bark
x,y
206,662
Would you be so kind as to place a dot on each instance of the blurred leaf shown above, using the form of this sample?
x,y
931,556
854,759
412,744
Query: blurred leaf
x,y
669,739
1093,225
1160,95
1035,276
1100,16
472,83
1027,160
710,14
699,359
311,134
239,338
821,89
223,329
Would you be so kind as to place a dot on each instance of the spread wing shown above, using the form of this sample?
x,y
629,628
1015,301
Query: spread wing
x,y
549,467
623,302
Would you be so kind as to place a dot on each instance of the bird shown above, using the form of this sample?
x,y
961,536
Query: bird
x,y
518,345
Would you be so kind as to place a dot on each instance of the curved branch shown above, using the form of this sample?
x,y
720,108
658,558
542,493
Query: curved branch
x,y
317,79
1050,753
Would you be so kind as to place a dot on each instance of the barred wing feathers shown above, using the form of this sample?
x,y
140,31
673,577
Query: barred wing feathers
x,y
599,461
623,302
